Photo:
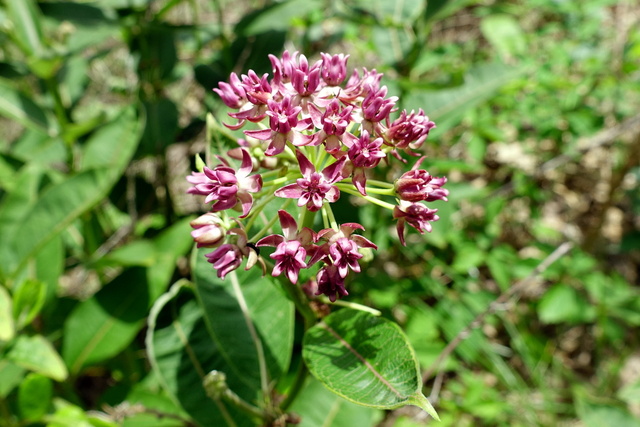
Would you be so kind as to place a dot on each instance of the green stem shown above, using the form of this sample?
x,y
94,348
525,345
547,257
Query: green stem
x,y
306,218
352,305
296,387
354,192
331,218
262,363
382,184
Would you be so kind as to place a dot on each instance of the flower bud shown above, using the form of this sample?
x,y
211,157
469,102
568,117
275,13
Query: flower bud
x,y
209,230
419,185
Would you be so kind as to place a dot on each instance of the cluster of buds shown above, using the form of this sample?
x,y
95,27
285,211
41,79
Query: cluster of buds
x,y
313,138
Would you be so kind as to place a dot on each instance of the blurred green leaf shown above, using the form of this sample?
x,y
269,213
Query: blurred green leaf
x,y
106,155
7,329
29,297
105,324
562,303
505,35
447,106
37,354
594,414
276,16
11,375
182,351
19,106
317,406
365,359
34,397
229,306
25,18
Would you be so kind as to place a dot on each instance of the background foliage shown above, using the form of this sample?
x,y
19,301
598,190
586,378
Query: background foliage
x,y
103,106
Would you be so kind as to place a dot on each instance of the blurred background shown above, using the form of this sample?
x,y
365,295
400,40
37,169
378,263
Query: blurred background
x,y
537,107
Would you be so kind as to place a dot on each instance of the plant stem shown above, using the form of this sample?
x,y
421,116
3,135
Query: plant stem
x,y
264,374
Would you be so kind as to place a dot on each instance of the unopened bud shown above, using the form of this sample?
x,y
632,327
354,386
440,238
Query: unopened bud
x,y
209,230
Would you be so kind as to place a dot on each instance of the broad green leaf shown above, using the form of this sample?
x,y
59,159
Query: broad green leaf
x,y
37,354
449,105
598,414
29,297
365,359
505,34
25,17
7,329
105,324
106,156
181,352
11,375
68,415
34,397
562,303
20,107
276,17
317,406
232,309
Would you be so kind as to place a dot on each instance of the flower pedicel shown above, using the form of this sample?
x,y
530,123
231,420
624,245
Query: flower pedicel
x,y
320,136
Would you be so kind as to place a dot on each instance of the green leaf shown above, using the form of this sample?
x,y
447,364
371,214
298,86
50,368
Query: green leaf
x,y
106,156
7,329
598,414
365,359
105,324
11,375
29,297
26,19
276,17
562,303
20,107
447,106
37,354
34,397
504,34
317,406
181,352
233,309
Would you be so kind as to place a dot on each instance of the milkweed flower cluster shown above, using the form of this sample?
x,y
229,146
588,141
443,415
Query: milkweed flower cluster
x,y
312,134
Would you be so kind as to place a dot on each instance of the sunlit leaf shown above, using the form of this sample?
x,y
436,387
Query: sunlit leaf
x,y
7,330
34,397
21,108
37,354
365,359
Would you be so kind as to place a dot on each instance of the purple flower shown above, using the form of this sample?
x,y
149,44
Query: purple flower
x,y
333,123
209,230
361,87
304,79
225,259
330,283
233,93
284,126
227,187
314,188
416,214
291,249
376,108
334,68
342,247
409,131
282,67
363,154
417,185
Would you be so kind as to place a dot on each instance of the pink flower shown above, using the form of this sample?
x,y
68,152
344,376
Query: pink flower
x,y
333,123
409,131
417,185
342,247
330,283
209,230
334,68
376,108
363,154
233,93
291,249
416,214
314,188
225,259
226,187
284,126
360,87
